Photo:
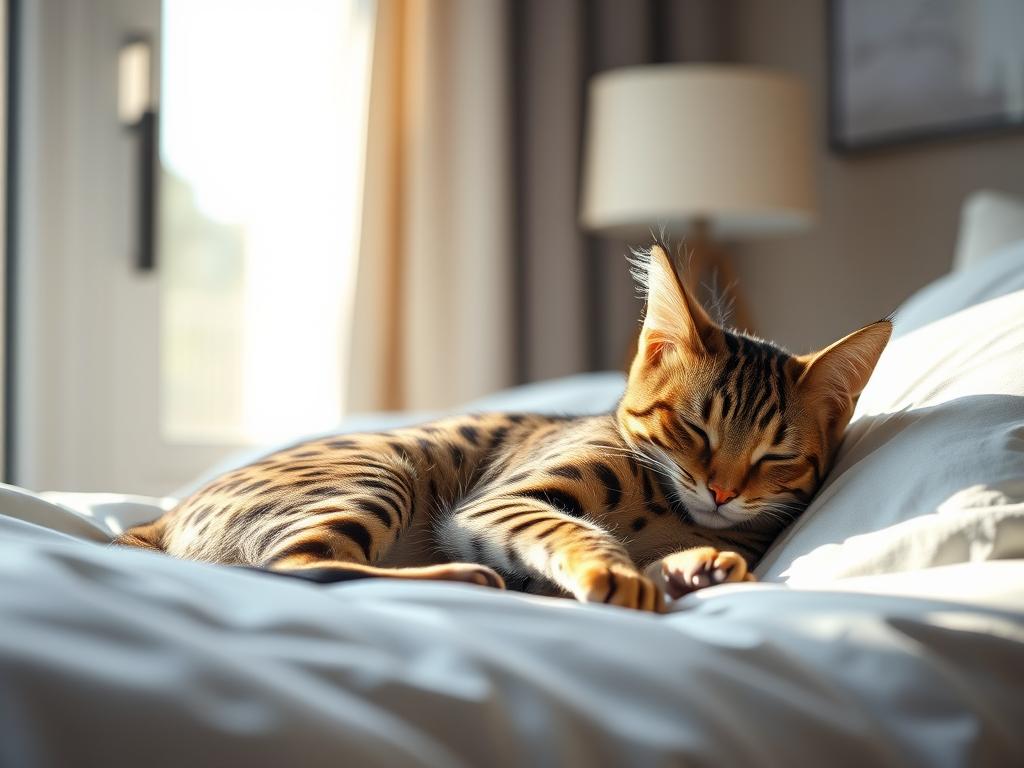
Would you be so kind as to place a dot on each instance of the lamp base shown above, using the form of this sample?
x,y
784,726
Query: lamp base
x,y
708,273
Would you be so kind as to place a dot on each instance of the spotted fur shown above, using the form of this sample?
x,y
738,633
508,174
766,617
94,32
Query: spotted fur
x,y
580,505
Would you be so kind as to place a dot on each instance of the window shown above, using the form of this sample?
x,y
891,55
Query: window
x,y
263,112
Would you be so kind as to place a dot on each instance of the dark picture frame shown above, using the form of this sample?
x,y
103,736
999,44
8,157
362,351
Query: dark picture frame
x,y
921,70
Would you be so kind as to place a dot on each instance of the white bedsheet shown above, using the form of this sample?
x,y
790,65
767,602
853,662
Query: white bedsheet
x,y
125,657
115,657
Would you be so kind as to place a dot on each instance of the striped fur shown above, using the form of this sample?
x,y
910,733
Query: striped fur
x,y
615,508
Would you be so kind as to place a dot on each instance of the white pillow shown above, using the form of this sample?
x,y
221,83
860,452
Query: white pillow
x,y
988,221
931,471
578,394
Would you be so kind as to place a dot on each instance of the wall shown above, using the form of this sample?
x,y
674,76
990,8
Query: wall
x,y
86,383
3,239
887,220
578,306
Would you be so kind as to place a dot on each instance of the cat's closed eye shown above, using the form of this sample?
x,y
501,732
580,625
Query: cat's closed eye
x,y
775,458
701,434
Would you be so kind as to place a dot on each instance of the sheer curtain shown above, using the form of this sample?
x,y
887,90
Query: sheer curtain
x,y
261,175
432,311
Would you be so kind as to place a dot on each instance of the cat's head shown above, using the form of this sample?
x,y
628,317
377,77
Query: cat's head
x,y
739,429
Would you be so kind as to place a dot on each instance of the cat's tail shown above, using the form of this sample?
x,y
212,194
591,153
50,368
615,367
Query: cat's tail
x,y
148,536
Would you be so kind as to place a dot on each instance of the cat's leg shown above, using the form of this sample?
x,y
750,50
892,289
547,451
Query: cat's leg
x,y
344,536
533,536
684,572
325,553
146,536
334,571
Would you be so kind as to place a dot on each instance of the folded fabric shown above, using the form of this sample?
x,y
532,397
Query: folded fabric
x,y
112,656
931,470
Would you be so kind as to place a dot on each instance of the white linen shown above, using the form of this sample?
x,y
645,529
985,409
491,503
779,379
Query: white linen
x,y
584,393
931,470
1000,274
989,220
125,657
116,657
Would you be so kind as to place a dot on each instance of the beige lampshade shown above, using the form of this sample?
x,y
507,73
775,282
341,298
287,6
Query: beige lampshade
x,y
668,144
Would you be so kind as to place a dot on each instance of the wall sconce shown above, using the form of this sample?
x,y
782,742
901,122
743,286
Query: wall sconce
x,y
137,112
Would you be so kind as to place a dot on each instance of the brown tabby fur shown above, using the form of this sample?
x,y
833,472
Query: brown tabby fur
x,y
579,504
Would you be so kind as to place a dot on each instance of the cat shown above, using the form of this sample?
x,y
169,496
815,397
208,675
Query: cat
x,y
719,441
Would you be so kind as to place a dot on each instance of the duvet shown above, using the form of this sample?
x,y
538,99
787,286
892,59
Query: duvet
x,y
125,657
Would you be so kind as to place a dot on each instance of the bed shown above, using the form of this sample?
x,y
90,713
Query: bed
x,y
887,628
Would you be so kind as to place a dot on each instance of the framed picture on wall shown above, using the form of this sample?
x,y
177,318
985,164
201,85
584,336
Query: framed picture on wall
x,y
920,69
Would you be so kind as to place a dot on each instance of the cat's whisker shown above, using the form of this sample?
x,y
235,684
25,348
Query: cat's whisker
x,y
657,459
644,460
781,513
772,515
788,507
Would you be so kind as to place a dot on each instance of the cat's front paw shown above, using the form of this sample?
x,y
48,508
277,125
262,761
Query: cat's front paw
x,y
684,572
617,584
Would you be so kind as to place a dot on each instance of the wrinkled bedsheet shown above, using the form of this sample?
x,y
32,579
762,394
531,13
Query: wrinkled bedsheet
x,y
126,657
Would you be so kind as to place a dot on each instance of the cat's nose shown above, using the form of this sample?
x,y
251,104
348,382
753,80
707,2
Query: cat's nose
x,y
721,495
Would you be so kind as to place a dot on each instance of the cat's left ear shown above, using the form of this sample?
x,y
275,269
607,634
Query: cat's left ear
x,y
673,320
839,373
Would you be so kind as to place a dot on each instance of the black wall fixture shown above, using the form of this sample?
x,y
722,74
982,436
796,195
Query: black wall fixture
x,y
138,114
12,9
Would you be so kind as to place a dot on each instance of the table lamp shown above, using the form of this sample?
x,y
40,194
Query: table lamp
x,y
705,152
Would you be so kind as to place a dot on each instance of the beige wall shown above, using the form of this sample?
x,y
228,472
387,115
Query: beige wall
x,y
3,231
887,220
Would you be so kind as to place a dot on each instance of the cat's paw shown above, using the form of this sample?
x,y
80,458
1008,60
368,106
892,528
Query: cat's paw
x,y
684,572
471,573
617,584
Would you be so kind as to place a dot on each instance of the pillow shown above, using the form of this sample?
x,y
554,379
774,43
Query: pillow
x,y
931,471
988,221
579,394
1001,273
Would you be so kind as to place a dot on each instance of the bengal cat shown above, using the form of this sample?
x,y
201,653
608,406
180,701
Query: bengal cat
x,y
719,441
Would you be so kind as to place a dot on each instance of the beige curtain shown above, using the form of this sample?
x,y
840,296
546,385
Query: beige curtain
x,y
473,273
432,312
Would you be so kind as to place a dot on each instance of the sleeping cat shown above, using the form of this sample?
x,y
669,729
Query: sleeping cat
x,y
719,441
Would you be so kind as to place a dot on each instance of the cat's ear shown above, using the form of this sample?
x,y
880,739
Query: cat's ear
x,y
839,373
673,320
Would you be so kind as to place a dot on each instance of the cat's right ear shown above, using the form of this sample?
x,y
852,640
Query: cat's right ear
x,y
838,374
673,320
